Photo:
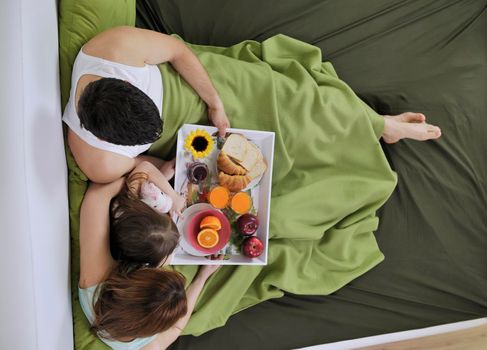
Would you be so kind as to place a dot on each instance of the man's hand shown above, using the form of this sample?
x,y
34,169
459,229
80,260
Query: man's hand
x,y
218,118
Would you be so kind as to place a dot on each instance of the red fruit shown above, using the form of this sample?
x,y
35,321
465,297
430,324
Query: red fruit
x,y
252,247
247,224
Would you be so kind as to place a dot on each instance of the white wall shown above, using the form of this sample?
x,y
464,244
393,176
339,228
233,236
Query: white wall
x,y
35,310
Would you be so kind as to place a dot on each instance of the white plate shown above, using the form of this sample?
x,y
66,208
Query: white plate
x,y
182,222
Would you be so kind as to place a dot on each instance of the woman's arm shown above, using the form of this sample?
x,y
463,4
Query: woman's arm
x,y
95,258
137,47
158,179
166,338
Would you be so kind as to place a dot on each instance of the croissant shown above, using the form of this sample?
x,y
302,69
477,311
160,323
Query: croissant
x,y
234,183
225,164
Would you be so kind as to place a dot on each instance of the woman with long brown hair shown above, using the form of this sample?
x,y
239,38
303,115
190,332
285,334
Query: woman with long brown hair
x,y
129,307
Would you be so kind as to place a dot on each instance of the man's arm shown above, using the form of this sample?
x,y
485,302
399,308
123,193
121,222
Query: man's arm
x,y
137,47
102,166
114,167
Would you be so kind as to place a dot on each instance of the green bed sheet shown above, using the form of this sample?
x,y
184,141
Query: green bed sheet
x,y
428,56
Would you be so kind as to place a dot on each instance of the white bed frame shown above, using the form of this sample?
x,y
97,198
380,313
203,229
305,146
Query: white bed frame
x,y
35,306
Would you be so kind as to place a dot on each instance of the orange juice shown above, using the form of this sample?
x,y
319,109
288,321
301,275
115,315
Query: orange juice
x,y
218,197
241,203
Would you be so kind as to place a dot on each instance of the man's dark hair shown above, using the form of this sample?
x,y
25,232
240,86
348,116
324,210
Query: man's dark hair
x,y
117,112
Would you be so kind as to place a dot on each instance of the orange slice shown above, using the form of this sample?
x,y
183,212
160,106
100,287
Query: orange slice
x,y
218,197
211,222
241,203
208,238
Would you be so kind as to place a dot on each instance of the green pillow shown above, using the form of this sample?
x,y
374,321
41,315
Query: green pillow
x,y
79,21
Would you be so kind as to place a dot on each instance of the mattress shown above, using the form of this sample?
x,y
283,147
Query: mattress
x,y
426,56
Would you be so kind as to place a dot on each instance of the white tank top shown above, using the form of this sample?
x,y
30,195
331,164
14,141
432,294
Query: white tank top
x,y
147,78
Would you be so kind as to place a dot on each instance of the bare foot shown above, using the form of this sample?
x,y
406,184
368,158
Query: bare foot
x,y
167,169
409,125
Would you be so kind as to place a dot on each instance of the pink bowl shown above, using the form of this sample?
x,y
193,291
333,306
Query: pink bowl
x,y
193,228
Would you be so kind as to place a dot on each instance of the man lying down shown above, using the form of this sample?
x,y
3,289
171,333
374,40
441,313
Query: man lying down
x,y
323,132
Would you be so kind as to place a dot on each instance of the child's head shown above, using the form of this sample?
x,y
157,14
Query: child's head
x,y
139,304
118,112
139,235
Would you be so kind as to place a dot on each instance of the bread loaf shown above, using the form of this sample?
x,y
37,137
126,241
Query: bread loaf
x,y
239,162
235,147
251,155
258,169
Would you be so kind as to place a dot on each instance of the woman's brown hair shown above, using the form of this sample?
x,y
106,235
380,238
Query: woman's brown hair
x,y
140,303
138,234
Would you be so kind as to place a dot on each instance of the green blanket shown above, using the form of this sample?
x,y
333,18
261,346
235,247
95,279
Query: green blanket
x,y
329,178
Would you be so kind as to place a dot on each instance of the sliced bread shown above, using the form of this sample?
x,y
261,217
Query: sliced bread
x,y
258,169
252,154
235,147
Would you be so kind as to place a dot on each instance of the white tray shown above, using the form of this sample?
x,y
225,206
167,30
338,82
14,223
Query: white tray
x,y
261,194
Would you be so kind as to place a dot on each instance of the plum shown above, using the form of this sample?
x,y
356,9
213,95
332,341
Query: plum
x,y
247,224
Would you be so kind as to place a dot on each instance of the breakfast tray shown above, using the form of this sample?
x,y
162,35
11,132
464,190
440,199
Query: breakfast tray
x,y
196,194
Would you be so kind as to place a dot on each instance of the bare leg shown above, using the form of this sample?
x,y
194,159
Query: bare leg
x,y
408,125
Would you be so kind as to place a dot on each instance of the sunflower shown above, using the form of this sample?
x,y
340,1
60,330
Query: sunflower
x,y
199,143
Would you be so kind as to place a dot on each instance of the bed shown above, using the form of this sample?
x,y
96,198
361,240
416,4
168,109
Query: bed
x,y
428,56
